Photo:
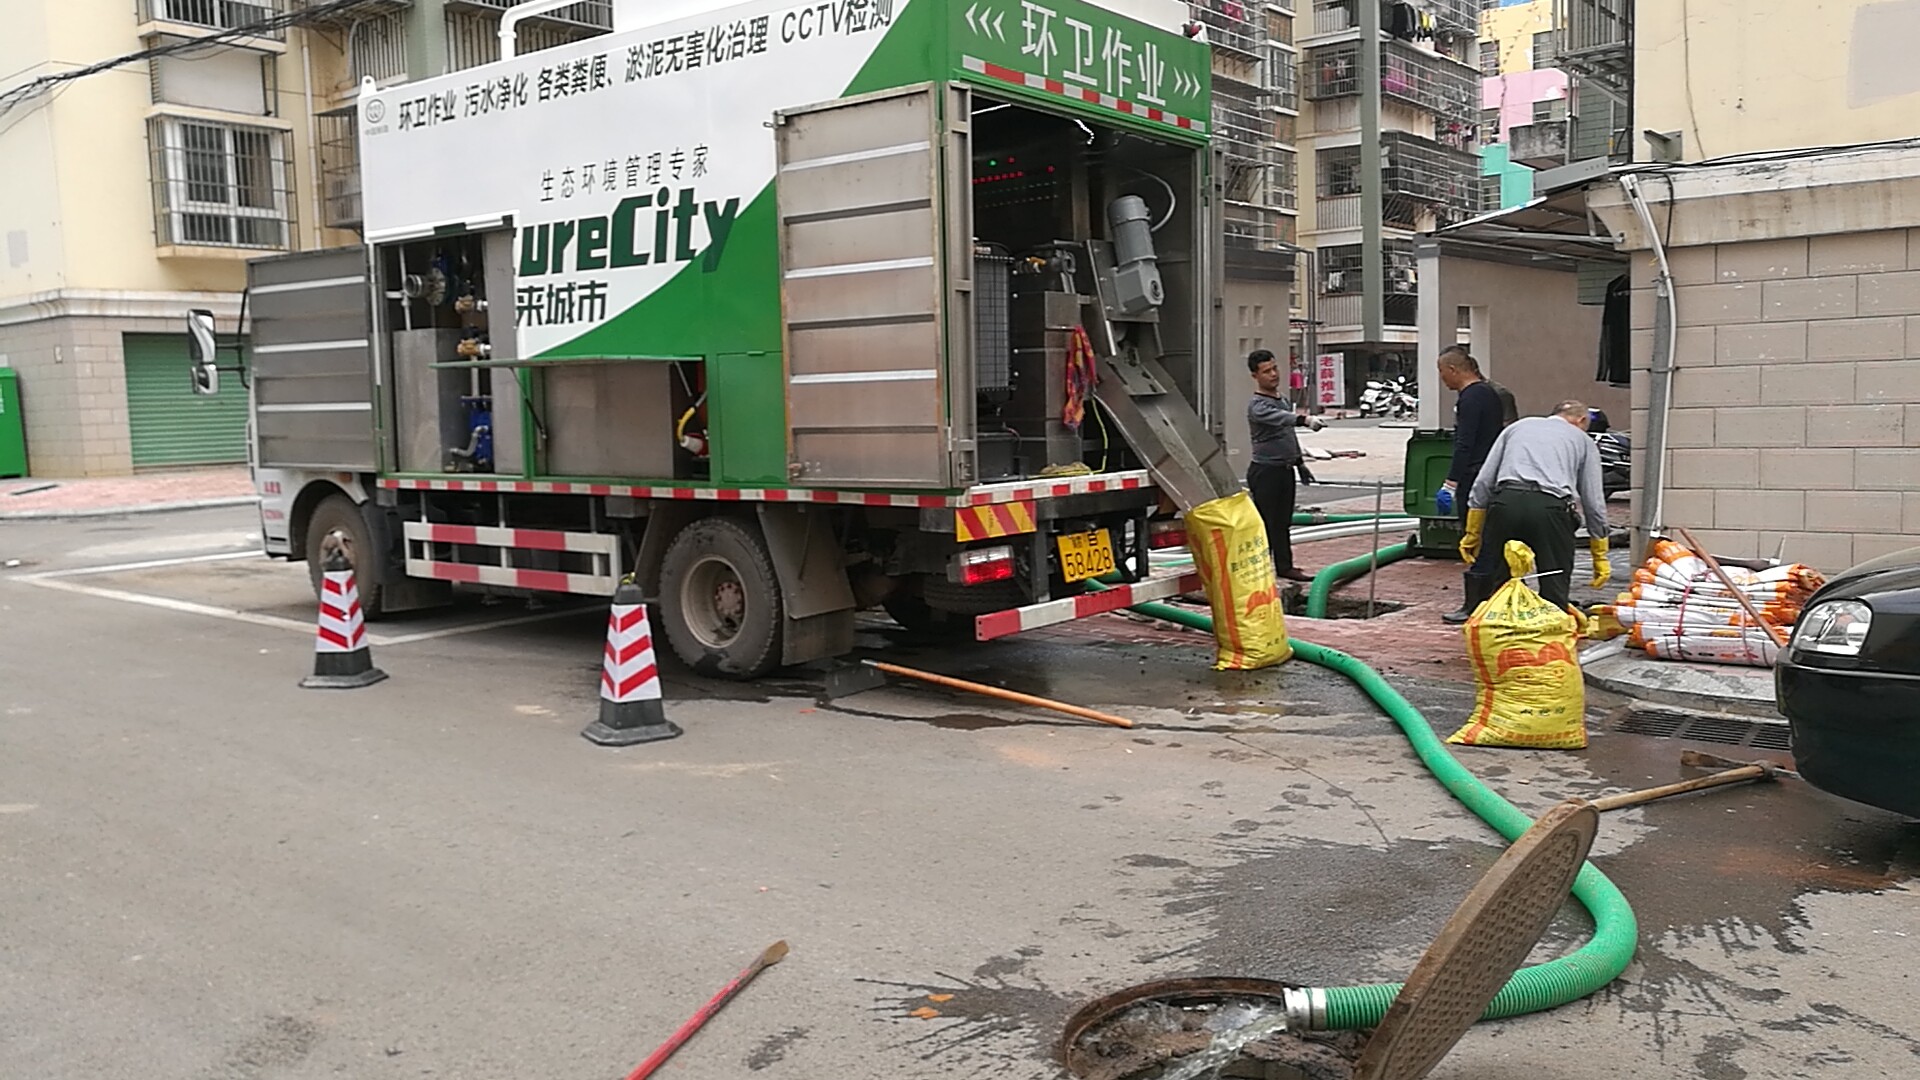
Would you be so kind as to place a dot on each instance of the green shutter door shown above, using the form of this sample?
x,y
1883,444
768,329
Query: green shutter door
x,y
171,425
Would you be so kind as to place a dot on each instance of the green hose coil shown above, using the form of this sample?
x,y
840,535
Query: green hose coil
x,y
1533,989
1330,576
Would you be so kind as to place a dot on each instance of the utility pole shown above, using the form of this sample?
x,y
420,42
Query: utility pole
x,y
1373,275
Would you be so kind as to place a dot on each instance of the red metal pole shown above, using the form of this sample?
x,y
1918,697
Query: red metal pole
x,y
774,954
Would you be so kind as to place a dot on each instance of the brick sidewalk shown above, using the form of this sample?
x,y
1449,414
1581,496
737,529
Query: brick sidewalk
x,y
142,492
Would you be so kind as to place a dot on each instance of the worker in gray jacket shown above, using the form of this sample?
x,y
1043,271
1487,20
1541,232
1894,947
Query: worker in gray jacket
x,y
1541,477
1271,424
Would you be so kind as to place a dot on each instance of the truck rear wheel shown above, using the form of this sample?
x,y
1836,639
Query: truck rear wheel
x,y
720,600
336,525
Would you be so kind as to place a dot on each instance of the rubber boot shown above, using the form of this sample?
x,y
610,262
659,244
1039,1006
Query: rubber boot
x,y
1474,591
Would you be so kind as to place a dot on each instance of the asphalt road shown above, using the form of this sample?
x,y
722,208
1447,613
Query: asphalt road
x,y
207,873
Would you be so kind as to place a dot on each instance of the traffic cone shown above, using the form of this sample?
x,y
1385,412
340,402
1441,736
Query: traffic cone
x,y
342,660
630,699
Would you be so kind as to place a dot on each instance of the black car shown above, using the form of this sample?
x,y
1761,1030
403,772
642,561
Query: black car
x,y
1850,685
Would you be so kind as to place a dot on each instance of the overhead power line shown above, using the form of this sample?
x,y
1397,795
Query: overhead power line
x,y
38,88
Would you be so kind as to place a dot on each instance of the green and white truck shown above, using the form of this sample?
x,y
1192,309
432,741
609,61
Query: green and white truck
x,y
786,309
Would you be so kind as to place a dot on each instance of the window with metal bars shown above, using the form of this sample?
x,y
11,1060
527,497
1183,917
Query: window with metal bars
x,y
1543,50
1490,58
1549,110
214,14
220,185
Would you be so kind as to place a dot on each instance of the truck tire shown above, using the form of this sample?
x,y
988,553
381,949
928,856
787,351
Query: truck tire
x,y
336,524
720,600
969,600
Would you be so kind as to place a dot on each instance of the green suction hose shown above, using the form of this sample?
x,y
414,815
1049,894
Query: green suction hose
x,y
1533,989
1329,576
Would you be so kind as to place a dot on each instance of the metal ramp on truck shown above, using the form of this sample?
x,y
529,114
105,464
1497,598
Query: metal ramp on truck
x,y
1185,459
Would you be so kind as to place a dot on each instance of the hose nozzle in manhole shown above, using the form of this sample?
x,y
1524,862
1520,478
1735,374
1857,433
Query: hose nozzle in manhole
x,y
1199,1029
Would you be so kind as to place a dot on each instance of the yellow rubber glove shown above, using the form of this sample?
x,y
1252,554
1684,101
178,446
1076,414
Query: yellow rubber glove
x,y
1602,569
1470,543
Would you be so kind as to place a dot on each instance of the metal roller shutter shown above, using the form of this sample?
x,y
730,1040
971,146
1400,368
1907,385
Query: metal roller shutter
x,y
169,424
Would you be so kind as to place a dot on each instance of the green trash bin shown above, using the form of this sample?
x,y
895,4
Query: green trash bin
x,y
1429,457
13,428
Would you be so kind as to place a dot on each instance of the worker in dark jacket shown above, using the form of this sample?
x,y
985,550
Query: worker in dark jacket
x,y
1541,478
1479,415
1272,423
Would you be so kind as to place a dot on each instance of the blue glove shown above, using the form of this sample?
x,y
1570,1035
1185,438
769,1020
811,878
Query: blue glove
x,y
1444,500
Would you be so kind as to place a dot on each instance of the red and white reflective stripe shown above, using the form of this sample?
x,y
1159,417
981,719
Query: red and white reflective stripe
x,y
629,673
488,536
553,581
343,626
604,547
999,624
984,495
1076,93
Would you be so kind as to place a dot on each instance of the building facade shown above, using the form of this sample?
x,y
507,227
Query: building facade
x,y
1519,86
136,193
1389,139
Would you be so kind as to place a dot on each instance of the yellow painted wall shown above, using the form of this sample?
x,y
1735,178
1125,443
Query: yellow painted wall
x,y
29,195
1737,76
78,173
1513,27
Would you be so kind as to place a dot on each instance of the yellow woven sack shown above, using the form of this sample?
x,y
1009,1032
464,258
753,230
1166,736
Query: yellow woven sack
x,y
1229,545
1525,656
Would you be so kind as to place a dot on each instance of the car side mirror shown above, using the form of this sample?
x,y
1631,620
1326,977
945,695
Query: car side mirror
x,y
203,350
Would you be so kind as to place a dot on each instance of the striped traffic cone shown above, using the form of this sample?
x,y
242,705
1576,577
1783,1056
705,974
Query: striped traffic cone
x,y
630,705
342,659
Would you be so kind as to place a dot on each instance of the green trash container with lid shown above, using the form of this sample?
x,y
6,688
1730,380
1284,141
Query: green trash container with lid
x,y
13,428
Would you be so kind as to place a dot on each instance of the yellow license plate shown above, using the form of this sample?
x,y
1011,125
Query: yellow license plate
x,y
1086,555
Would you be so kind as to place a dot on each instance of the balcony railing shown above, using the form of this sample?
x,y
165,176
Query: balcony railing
x,y
1586,25
473,32
1230,24
377,50
1341,269
325,13
1409,75
1456,17
1335,16
588,14
1596,41
216,14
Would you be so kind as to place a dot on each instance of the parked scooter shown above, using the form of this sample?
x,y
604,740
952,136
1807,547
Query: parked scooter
x,y
1388,397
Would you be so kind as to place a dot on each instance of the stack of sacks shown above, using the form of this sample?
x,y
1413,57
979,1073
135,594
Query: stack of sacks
x,y
1679,610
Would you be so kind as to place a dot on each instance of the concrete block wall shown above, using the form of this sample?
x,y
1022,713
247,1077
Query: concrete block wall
x,y
1795,422
73,392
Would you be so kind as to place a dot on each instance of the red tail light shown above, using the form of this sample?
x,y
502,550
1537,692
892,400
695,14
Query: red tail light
x,y
1167,534
982,565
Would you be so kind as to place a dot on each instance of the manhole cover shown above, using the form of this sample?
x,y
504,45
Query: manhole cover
x,y
1700,727
1481,947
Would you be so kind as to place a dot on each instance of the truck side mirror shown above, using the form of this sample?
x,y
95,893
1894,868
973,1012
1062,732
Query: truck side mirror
x,y
203,350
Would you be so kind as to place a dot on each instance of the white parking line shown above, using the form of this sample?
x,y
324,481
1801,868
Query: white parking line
x,y
55,579
170,604
117,568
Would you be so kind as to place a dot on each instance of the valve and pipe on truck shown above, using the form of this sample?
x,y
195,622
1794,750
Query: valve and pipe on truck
x,y
776,308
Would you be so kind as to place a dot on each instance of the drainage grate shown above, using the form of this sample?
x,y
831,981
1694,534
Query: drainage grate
x,y
1697,727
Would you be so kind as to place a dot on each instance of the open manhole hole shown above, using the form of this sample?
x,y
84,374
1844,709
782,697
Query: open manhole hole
x,y
1339,607
1698,727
